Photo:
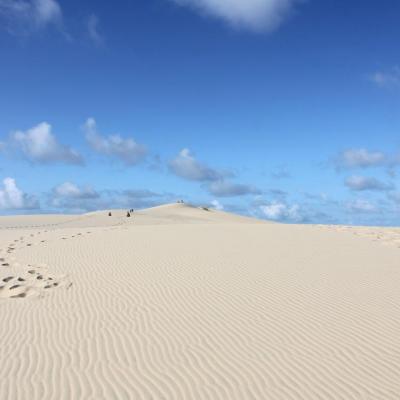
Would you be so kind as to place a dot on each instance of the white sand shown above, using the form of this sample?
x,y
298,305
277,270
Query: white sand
x,y
183,303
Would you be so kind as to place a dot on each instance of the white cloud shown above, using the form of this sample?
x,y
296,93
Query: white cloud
x,y
39,145
360,158
361,206
72,191
47,11
126,150
25,16
362,183
10,195
12,198
71,197
187,167
222,188
93,30
387,79
217,205
255,15
282,211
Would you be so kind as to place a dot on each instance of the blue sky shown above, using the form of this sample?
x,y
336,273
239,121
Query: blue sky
x,y
281,109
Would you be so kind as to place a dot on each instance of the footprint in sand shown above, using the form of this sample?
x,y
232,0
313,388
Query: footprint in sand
x,y
49,286
19,295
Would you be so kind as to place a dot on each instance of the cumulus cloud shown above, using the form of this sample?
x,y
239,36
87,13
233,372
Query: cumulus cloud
x,y
361,206
223,188
387,79
26,16
281,211
254,15
71,197
72,191
39,145
13,198
10,195
93,30
360,158
124,149
215,181
362,183
187,167
217,205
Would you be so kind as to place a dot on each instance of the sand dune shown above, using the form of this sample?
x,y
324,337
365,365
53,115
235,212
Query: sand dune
x,y
178,302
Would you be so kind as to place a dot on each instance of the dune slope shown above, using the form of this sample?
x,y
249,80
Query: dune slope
x,y
182,303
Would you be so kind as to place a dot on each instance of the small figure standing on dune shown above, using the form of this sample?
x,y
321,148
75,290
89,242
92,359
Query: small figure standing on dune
x,y
109,214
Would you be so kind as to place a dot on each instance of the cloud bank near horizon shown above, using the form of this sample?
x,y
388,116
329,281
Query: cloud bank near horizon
x,y
40,146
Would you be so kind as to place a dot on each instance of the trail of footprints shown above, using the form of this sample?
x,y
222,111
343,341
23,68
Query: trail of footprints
x,y
18,281
21,286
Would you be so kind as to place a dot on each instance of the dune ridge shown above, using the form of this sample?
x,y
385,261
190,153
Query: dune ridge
x,y
178,302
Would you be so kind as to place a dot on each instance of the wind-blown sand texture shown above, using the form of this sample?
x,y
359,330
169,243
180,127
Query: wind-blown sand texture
x,y
182,303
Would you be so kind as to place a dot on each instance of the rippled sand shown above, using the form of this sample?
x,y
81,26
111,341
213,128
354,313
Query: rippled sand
x,y
183,303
